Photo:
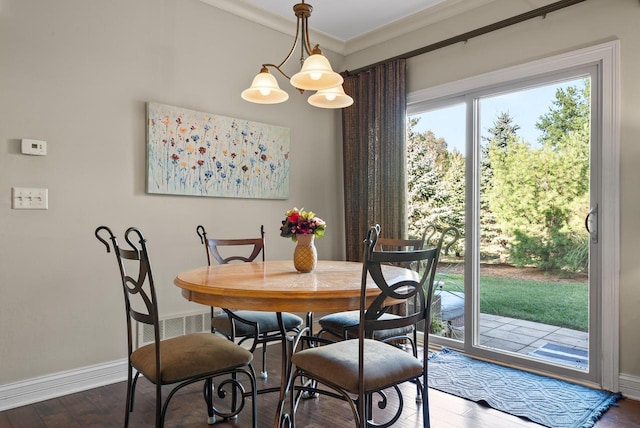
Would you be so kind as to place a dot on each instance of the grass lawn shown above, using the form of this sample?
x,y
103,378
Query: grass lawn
x,y
563,304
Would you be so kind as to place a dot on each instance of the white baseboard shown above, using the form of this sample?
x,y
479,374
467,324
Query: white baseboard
x,y
630,386
58,384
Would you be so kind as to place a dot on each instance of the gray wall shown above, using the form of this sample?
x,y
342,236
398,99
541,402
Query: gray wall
x,y
77,74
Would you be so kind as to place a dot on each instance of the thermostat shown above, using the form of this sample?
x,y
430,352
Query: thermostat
x,y
34,147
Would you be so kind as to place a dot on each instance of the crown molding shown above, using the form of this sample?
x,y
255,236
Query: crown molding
x,y
276,22
439,12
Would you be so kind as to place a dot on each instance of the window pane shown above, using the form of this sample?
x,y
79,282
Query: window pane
x,y
436,185
534,196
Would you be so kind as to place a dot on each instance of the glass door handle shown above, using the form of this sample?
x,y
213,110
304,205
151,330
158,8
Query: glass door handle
x,y
591,224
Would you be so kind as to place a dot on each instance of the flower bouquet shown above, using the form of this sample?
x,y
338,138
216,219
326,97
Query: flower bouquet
x,y
301,222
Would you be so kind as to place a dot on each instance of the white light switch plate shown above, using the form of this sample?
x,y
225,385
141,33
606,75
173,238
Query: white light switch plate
x,y
27,198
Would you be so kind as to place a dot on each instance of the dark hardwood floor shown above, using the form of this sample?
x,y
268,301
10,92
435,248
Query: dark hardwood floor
x,y
104,407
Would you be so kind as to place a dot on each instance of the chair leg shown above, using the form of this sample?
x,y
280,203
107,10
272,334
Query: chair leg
x,y
369,416
234,394
414,346
159,416
263,372
208,398
361,416
426,422
129,402
133,391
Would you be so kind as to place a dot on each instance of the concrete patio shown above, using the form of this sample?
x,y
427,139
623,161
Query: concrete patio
x,y
523,337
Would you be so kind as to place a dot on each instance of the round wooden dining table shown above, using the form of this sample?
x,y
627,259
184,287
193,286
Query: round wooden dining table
x,y
276,286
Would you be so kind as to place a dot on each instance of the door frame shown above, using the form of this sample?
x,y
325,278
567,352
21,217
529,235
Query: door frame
x,y
606,57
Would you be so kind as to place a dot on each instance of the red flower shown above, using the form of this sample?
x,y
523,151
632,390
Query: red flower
x,y
293,218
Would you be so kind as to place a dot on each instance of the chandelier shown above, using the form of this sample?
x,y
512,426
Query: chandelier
x,y
315,75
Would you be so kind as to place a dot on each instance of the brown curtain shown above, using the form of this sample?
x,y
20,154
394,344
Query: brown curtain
x,y
374,154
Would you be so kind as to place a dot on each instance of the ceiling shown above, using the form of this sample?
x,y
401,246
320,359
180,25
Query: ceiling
x,y
346,19
345,26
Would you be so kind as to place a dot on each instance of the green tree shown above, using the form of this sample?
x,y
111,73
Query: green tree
x,y
503,130
435,180
493,239
534,191
570,113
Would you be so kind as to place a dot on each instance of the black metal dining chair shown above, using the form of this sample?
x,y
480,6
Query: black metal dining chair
x,y
343,325
258,326
356,370
181,360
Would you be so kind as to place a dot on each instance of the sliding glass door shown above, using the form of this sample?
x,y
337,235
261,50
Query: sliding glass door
x,y
516,168
534,196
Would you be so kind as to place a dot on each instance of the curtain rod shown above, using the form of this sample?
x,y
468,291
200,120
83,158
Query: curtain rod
x,y
539,12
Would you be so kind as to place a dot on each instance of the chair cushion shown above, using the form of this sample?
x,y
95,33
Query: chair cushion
x,y
451,303
337,363
187,356
336,323
268,322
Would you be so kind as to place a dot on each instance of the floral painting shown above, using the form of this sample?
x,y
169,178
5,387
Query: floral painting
x,y
202,154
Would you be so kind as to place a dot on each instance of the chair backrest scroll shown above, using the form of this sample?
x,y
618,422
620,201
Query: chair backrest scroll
x,y
212,245
415,285
139,290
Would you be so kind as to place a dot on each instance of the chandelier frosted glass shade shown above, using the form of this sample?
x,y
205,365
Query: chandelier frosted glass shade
x,y
331,98
264,90
316,74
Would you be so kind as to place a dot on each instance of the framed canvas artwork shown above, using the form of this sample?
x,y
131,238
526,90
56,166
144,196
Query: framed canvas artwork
x,y
202,154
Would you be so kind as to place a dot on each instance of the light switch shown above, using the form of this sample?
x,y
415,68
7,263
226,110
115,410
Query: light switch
x,y
26,198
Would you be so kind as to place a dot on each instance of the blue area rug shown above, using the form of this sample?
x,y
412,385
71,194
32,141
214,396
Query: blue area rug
x,y
550,402
563,355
